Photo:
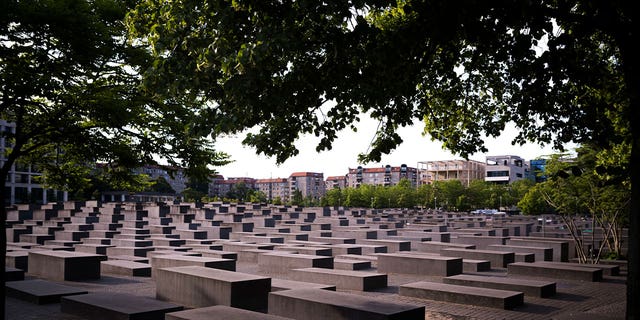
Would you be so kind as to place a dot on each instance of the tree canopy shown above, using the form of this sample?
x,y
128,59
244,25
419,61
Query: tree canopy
x,y
70,85
465,68
559,70
70,90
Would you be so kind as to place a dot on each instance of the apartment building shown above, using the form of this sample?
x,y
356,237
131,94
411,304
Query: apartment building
x,y
335,182
219,187
21,185
274,188
311,184
505,169
444,170
383,176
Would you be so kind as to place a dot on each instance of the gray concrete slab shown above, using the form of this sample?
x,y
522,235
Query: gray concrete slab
x,y
220,313
107,306
493,298
315,304
40,291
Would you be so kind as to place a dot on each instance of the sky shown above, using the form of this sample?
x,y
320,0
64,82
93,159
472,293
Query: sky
x,y
348,145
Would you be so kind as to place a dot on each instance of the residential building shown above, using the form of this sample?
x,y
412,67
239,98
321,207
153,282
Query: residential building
x,y
335,182
505,169
22,185
274,188
444,170
311,184
219,187
384,176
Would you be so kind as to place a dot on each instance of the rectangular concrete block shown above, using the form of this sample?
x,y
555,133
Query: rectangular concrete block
x,y
171,260
40,291
436,246
501,299
65,265
282,262
17,259
607,269
346,264
129,251
109,305
534,288
13,274
392,245
125,268
197,287
541,253
560,247
420,264
554,271
315,304
342,279
498,259
220,313
281,284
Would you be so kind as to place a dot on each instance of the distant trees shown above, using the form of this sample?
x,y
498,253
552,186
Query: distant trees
x,y
450,195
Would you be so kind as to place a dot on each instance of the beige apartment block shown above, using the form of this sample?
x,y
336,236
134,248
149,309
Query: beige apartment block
x,y
444,170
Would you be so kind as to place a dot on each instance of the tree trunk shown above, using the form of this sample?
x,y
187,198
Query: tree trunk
x,y
633,283
3,241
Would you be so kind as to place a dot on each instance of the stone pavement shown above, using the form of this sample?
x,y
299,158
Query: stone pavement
x,y
574,299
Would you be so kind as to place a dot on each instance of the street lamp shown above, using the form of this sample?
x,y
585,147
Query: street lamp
x,y
435,203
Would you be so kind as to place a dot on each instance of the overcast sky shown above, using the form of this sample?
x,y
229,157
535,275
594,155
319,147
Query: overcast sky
x,y
344,154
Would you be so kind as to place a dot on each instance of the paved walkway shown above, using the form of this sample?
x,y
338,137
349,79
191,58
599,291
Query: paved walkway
x,y
574,299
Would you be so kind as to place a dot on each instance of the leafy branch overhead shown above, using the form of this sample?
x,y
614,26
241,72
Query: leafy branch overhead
x,y
465,69
71,89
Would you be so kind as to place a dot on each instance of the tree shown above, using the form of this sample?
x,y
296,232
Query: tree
x,y
577,191
533,203
257,197
297,198
162,186
334,197
277,201
239,191
449,193
559,70
70,87
406,194
517,191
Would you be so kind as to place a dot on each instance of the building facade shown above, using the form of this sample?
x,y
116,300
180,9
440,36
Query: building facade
x,y
310,184
505,169
274,188
22,185
335,182
219,187
463,170
536,170
382,176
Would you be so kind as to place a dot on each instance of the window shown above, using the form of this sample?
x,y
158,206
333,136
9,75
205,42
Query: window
x,y
497,173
